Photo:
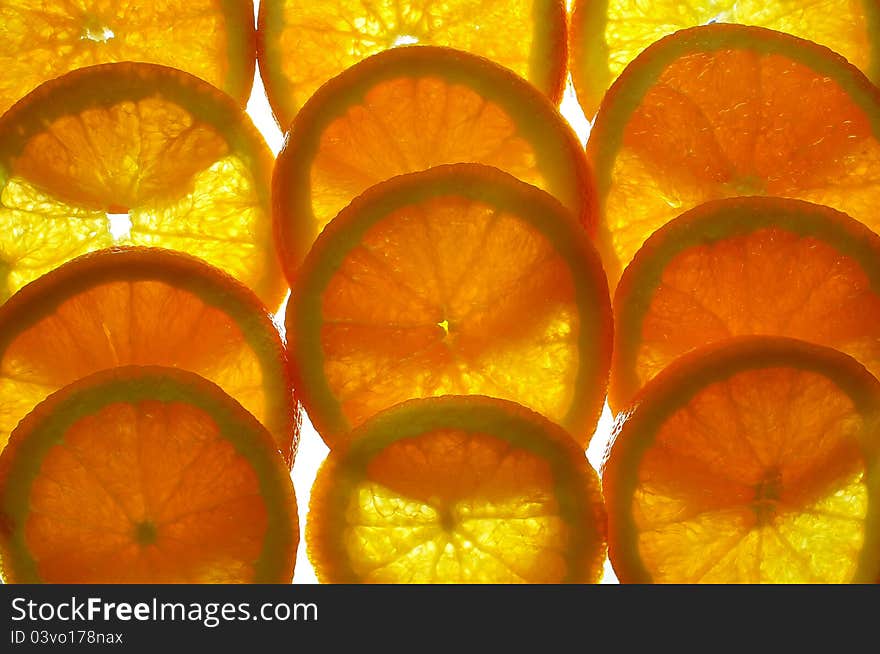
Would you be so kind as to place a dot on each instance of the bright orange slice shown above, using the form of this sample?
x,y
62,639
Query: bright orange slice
x,y
134,154
410,109
302,43
726,110
457,490
606,36
144,307
456,281
145,475
746,266
212,39
751,461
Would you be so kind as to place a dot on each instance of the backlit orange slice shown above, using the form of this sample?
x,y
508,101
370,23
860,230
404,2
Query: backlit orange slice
x,y
750,461
606,36
746,266
145,475
303,43
145,307
726,110
457,490
409,109
134,154
212,39
459,280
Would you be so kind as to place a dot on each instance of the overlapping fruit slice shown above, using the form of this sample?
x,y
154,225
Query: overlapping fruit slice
x,y
146,307
145,475
726,110
746,266
606,36
409,109
134,154
212,39
457,490
303,43
453,281
750,461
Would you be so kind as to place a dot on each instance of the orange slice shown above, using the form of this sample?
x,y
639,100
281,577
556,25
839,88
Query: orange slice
x,y
144,307
302,44
134,154
751,461
457,490
145,475
726,110
212,39
606,36
410,109
456,281
746,266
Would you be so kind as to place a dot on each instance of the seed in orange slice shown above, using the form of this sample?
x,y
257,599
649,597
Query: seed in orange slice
x,y
606,36
749,461
212,39
302,44
457,490
141,306
455,281
145,475
410,109
727,110
746,266
134,154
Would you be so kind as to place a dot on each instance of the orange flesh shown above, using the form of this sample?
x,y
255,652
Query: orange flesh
x,y
159,510
760,477
733,122
458,313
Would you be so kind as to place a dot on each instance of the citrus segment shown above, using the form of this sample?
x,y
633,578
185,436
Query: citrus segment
x,y
303,44
145,475
726,110
143,306
458,280
457,490
751,461
212,39
134,154
607,35
746,266
410,109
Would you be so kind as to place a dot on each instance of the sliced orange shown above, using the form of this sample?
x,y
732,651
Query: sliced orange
x,y
746,266
410,109
145,307
750,461
457,490
606,36
455,281
302,43
134,154
726,110
212,39
145,475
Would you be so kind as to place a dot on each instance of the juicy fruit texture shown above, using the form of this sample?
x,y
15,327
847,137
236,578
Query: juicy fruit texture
x,y
143,307
134,154
411,109
145,475
753,461
746,266
457,490
454,281
212,39
726,110
302,43
607,35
